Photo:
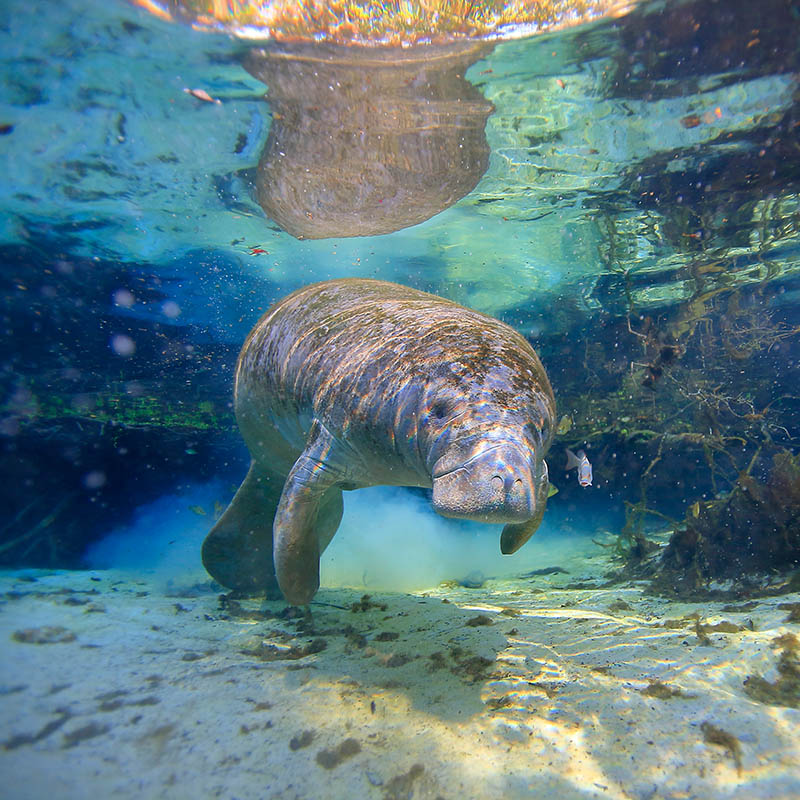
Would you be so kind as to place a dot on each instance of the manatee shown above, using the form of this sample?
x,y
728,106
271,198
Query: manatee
x,y
355,382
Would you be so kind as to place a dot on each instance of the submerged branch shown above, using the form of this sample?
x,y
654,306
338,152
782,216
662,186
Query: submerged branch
x,y
40,526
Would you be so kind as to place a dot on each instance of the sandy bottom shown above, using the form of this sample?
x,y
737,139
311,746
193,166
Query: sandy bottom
x,y
112,686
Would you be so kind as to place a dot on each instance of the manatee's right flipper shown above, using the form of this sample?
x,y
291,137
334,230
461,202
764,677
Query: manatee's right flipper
x,y
308,515
238,550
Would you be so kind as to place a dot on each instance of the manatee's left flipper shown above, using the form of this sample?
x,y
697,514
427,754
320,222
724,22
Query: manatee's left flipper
x,y
515,535
308,515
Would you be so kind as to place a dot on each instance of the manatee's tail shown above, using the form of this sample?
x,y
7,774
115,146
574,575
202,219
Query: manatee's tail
x,y
238,550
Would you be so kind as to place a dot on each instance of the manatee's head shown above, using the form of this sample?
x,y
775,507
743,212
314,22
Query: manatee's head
x,y
491,481
486,441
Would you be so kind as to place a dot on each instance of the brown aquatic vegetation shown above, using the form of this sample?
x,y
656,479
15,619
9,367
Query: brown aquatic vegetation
x,y
49,634
662,691
754,528
303,739
332,758
714,735
481,619
270,652
707,392
402,786
366,604
785,690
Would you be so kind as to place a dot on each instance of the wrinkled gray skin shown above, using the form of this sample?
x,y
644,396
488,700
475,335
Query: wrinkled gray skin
x,y
352,383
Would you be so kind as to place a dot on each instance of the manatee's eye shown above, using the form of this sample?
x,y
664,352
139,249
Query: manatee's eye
x,y
538,434
441,408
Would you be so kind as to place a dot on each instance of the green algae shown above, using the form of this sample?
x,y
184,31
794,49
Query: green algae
x,y
115,405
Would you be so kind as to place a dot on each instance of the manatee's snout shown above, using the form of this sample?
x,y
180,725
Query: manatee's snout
x,y
496,485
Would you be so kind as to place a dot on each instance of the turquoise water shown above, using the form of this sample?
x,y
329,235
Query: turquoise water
x,y
624,194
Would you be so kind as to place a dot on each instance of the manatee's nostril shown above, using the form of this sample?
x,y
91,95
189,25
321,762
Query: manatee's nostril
x,y
518,483
497,483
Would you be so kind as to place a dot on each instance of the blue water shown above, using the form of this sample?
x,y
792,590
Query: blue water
x,y
623,193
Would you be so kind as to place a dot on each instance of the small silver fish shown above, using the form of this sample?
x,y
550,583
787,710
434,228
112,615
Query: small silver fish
x,y
580,461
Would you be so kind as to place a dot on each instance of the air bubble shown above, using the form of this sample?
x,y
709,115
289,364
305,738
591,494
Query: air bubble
x,y
123,345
